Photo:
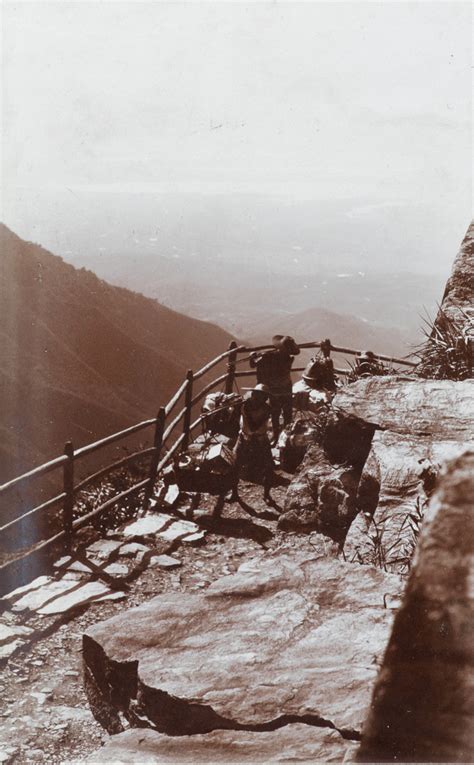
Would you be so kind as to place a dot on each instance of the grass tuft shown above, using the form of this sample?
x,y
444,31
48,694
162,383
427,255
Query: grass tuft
x,y
446,353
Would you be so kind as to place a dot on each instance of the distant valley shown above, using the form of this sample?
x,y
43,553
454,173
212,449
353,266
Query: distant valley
x,y
368,308
245,260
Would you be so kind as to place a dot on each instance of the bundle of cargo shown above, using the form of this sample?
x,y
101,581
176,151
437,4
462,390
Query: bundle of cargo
x,y
207,467
222,413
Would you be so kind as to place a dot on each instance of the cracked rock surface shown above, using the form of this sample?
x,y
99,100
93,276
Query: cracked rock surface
x,y
294,743
284,639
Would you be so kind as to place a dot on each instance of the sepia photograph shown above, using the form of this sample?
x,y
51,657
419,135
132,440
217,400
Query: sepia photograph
x,y
236,382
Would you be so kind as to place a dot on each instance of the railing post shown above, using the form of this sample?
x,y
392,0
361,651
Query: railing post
x,y
155,458
188,395
229,383
68,488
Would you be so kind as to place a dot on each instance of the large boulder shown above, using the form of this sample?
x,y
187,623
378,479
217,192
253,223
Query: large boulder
x,y
423,703
285,639
323,495
424,423
401,474
437,409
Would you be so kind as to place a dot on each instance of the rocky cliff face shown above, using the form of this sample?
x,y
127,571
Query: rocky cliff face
x,y
459,293
422,708
448,350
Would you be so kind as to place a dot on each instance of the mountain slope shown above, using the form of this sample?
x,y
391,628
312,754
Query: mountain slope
x,y
81,358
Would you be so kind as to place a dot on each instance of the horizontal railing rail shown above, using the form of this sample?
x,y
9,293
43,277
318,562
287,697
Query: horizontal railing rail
x,y
44,469
44,506
172,403
158,455
109,468
113,438
207,368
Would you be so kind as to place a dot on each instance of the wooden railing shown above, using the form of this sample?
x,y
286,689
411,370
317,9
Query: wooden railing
x,y
160,456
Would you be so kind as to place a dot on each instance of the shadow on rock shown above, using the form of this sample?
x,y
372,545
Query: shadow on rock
x,y
266,515
240,528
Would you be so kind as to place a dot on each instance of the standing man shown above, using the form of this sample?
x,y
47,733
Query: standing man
x,y
253,442
274,370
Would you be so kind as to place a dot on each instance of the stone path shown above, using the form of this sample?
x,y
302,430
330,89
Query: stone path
x,y
69,587
44,714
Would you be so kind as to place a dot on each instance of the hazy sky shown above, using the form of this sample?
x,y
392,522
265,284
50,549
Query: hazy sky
x,y
317,100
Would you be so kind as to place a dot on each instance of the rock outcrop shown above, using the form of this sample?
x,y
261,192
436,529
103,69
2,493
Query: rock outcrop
x,y
322,496
438,409
423,701
448,351
286,639
423,423
459,293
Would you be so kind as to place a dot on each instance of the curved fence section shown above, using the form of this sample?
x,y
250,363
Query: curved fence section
x,y
159,430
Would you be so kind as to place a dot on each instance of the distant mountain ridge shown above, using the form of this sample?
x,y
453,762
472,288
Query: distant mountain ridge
x,y
81,358
343,330
239,295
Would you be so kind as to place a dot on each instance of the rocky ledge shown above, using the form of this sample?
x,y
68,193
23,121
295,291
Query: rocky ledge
x,y
287,639
422,424
372,460
296,743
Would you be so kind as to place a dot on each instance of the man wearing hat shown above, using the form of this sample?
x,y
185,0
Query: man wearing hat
x,y
274,370
253,436
317,386
367,365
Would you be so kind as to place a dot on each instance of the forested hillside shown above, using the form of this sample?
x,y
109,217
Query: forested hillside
x,y
80,358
